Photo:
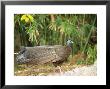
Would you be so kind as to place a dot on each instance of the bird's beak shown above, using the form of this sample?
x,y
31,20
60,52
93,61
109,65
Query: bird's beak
x,y
72,42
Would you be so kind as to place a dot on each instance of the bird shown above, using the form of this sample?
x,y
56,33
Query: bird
x,y
55,54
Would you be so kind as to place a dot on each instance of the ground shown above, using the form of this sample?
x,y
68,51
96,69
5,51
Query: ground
x,y
69,68
80,71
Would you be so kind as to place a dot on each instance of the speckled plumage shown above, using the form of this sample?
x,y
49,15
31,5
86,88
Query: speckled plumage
x,y
43,54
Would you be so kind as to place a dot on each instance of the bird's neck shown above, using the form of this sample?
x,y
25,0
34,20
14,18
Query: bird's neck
x,y
69,48
69,45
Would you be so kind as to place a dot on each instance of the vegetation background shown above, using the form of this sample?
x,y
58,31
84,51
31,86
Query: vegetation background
x,y
56,29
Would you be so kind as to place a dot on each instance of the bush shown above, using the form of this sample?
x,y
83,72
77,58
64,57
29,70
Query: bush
x,y
92,54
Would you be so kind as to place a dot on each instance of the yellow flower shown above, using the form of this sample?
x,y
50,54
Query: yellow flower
x,y
26,19
31,18
23,17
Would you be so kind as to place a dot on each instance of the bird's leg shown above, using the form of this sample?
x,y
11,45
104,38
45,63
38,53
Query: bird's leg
x,y
60,71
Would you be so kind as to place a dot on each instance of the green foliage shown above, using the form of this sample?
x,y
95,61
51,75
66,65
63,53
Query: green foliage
x,y
80,61
92,54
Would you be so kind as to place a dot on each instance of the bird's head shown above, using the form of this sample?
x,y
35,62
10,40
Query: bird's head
x,y
70,43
